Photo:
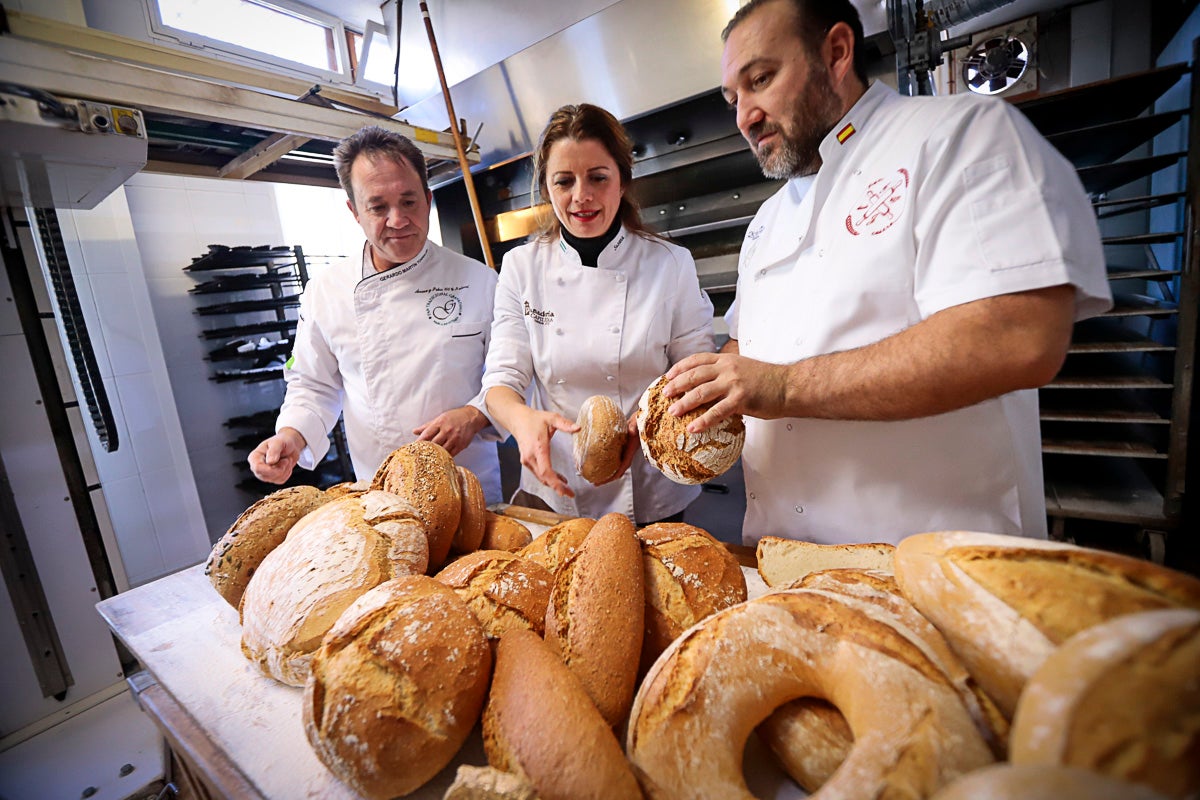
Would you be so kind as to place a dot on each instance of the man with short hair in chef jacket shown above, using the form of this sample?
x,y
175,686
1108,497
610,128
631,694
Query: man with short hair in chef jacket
x,y
395,342
899,299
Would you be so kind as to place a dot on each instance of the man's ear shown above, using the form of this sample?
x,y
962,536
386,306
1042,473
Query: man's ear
x,y
838,52
350,205
428,197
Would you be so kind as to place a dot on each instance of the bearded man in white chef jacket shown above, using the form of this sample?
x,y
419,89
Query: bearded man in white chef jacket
x,y
899,299
395,342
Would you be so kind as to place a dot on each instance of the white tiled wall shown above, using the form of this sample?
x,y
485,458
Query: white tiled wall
x,y
175,220
147,483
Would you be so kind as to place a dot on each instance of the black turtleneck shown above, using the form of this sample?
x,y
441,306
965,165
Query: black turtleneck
x,y
589,248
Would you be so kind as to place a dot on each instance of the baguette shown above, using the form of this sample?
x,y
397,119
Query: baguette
x,y
594,620
1004,603
540,724
1121,698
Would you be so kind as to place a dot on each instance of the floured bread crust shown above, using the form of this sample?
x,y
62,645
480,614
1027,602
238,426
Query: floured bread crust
x,y
329,559
425,475
687,458
503,590
397,687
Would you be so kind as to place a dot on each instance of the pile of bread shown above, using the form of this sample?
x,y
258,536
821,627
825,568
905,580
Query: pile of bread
x,y
956,665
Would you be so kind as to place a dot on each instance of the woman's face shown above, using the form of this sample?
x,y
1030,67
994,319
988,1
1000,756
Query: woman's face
x,y
584,185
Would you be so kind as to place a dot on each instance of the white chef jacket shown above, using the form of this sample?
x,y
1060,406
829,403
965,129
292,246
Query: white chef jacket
x,y
928,204
391,350
564,332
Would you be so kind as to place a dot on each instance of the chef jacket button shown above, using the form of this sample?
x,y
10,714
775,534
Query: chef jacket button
x,y
753,496
789,426
858,172
799,509
762,272
821,253
610,378
561,282
559,331
615,329
561,381
620,278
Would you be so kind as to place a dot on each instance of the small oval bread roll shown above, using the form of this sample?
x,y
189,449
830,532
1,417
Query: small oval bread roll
x,y
688,575
503,590
260,529
329,559
684,457
540,724
397,686
471,522
503,533
702,698
594,620
1121,698
425,475
601,439
556,546
1006,602
1030,782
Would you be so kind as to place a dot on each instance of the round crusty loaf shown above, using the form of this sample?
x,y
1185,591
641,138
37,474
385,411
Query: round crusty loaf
x,y
471,521
1004,603
554,547
802,734
1027,782
594,620
332,556
424,474
259,530
601,439
681,456
1121,698
702,698
397,686
540,724
688,575
503,533
503,590
347,487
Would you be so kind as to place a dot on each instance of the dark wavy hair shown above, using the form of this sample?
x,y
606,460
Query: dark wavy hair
x,y
814,18
373,141
579,123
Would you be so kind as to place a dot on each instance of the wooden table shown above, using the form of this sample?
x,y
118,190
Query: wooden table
x,y
238,732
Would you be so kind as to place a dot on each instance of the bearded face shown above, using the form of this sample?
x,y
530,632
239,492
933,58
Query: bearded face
x,y
804,123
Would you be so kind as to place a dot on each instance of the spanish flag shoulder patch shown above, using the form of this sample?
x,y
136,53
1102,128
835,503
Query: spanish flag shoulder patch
x,y
845,133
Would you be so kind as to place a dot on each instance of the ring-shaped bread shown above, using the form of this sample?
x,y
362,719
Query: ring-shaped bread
x,y
708,691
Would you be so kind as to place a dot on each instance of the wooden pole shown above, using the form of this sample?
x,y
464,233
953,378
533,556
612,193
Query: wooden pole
x,y
476,212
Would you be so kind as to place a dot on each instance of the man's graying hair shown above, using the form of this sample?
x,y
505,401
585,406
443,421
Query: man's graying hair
x,y
373,142
814,18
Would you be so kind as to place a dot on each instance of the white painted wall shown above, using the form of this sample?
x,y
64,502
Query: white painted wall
x,y
147,483
175,219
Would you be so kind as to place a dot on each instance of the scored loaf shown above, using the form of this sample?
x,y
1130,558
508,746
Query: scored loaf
x,y
686,458
488,783
330,558
556,546
594,620
1121,698
540,724
1004,603
782,561
688,575
503,590
601,439
425,475
396,687
255,533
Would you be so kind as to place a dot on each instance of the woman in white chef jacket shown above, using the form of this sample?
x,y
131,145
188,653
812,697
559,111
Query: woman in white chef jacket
x,y
596,304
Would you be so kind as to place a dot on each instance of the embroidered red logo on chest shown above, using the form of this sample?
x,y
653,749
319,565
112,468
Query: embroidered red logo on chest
x,y
881,206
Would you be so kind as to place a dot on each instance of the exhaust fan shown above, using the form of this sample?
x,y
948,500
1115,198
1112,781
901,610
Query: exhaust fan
x,y
916,28
1003,60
